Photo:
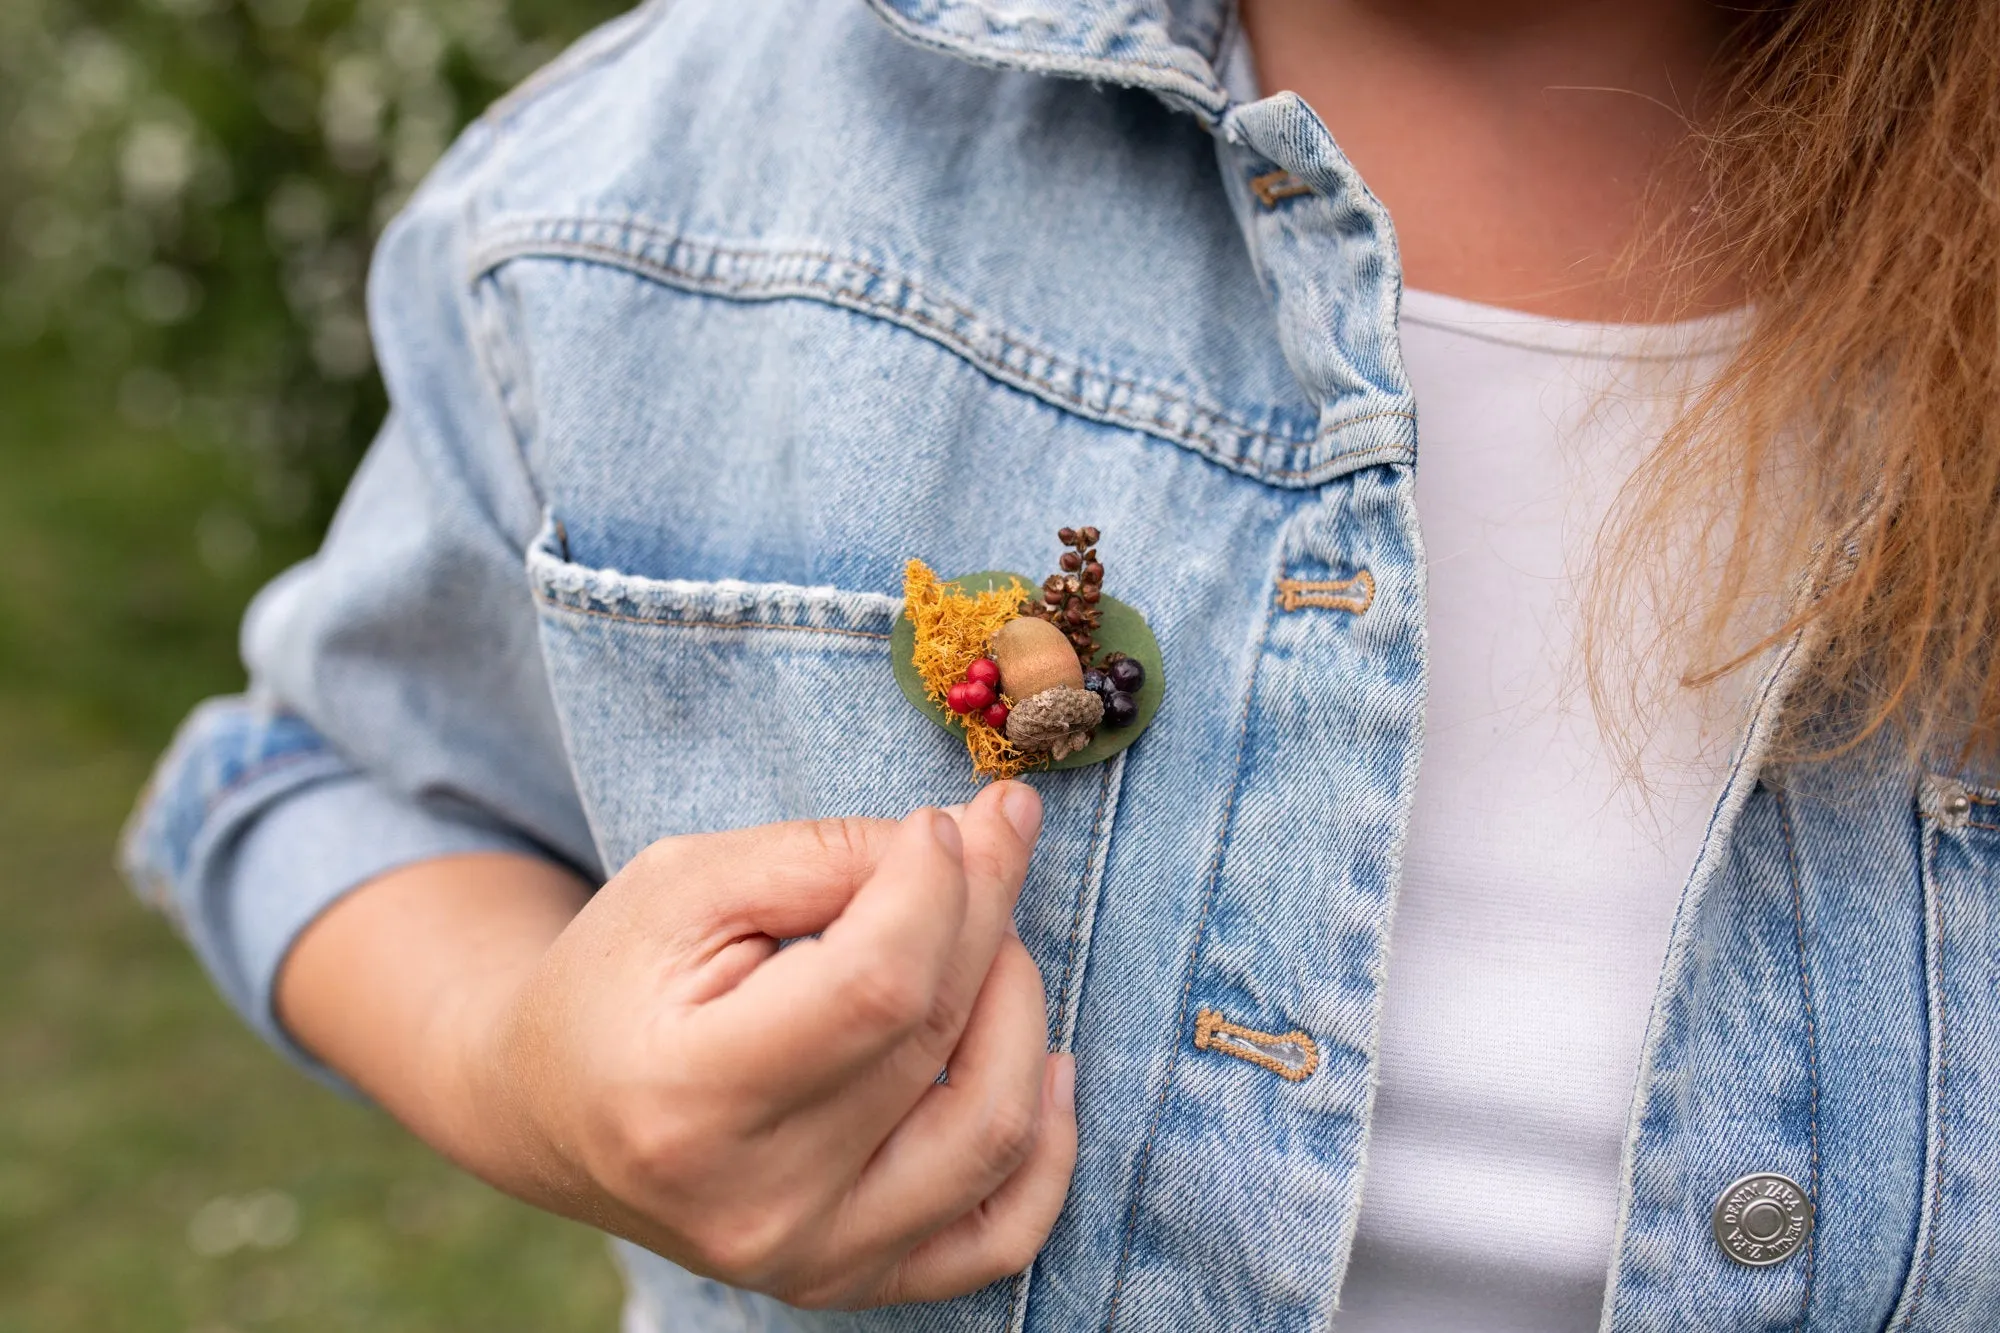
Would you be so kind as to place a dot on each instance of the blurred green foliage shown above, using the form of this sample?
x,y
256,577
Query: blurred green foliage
x,y
189,190
188,194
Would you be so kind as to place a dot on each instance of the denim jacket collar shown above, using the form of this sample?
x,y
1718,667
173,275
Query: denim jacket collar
x,y
1165,46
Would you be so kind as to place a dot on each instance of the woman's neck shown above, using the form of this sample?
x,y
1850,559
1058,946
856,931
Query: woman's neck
x,y
1521,146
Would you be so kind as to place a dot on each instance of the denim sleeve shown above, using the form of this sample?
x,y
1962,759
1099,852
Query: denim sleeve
x,y
398,708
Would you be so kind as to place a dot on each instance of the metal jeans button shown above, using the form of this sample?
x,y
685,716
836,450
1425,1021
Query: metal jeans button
x,y
1762,1219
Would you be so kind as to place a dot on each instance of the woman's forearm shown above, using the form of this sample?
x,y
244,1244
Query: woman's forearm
x,y
397,986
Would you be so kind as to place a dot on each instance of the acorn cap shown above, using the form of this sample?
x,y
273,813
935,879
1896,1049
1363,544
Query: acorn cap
x,y
1056,721
1033,656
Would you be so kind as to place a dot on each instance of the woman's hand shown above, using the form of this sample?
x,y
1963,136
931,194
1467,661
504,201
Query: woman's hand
x,y
662,1070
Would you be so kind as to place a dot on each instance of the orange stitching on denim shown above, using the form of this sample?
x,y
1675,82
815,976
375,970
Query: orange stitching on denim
x,y
504,247
1935,915
1330,594
1812,1035
1187,985
1213,1032
1973,823
1274,187
881,274
708,624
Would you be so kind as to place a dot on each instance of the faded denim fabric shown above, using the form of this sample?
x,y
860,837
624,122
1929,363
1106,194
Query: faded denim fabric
x,y
695,339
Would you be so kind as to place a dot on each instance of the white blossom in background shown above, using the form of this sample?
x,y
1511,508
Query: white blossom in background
x,y
189,190
262,1219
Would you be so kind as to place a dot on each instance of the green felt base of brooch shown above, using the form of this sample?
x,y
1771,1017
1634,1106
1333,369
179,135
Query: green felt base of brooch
x,y
1124,631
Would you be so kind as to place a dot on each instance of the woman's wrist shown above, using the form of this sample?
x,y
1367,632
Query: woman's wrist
x,y
489,1116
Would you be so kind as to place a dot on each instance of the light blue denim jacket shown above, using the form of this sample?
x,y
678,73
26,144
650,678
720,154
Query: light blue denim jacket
x,y
695,339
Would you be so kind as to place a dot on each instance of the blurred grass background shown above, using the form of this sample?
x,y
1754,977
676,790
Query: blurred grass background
x,y
188,193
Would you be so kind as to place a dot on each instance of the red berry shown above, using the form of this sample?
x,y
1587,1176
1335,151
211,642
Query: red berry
x,y
984,670
968,696
995,716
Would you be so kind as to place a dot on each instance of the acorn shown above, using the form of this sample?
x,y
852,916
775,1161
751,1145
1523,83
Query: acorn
x,y
1033,655
1057,721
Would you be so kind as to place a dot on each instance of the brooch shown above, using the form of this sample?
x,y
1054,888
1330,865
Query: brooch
x,y
1058,676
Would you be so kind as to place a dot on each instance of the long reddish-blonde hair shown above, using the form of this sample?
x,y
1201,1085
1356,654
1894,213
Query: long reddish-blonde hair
x,y
1853,440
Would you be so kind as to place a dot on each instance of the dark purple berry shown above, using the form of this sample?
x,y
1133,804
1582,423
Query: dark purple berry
x,y
1120,709
1127,674
1097,683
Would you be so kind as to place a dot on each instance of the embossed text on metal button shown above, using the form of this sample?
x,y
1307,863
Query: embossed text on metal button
x,y
1762,1219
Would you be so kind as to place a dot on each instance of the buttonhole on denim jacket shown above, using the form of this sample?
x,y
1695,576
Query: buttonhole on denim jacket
x,y
562,538
1274,187
1290,1055
1354,594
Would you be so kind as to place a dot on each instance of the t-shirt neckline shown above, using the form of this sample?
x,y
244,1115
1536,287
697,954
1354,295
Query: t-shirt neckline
x,y
1676,341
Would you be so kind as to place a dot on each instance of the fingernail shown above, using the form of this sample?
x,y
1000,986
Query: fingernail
x,y
1021,805
1065,1089
945,829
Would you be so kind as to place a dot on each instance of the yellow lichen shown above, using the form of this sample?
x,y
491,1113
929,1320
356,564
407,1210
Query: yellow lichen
x,y
952,628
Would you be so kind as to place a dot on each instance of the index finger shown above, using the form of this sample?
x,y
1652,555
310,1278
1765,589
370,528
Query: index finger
x,y
817,1012
999,829
782,880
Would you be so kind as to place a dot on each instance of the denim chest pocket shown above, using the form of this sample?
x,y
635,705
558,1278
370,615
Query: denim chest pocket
x,y
1954,1276
697,706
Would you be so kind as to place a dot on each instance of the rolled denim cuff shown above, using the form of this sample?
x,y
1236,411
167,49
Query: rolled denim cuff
x,y
253,826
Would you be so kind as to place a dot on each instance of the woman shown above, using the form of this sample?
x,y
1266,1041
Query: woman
x,y
1686,1017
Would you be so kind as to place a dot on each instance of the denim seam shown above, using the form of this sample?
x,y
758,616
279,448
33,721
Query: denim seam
x,y
876,271
515,401
1086,906
1063,1038
1752,748
1812,1038
677,622
257,772
532,240
1209,105
1934,912
1193,966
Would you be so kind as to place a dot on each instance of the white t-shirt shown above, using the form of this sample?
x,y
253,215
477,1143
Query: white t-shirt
x,y
1540,880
